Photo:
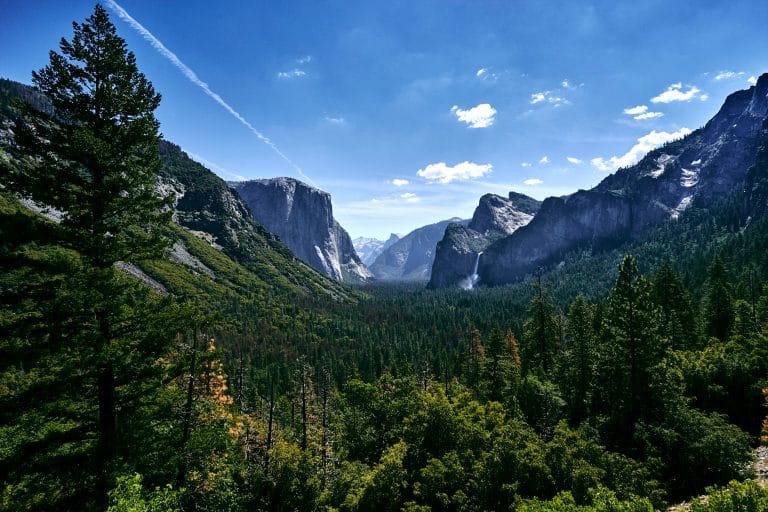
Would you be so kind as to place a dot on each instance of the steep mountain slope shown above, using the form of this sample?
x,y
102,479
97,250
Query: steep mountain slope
x,y
217,239
411,257
457,254
302,217
694,171
369,248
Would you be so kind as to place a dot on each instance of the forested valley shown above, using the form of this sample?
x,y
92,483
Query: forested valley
x,y
618,380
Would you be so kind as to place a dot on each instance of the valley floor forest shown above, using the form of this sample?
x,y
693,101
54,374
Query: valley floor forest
x,y
238,378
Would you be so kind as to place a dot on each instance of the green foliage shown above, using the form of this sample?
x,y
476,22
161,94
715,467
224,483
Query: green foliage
x,y
718,301
382,488
632,347
741,496
541,333
578,360
130,496
603,500
677,322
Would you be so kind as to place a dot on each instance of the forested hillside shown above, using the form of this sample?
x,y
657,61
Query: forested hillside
x,y
220,373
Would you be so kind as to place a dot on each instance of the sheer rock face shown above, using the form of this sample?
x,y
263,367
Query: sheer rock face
x,y
697,170
411,257
302,217
495,217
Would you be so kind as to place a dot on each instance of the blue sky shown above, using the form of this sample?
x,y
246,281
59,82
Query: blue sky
x,y
407,111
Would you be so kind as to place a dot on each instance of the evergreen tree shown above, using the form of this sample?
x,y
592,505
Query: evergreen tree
x,y
578,361
678,322
633,348
541,332
497,367
474,359
718,301
95,161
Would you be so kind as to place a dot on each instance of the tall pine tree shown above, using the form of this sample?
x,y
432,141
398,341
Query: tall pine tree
x,y
718,301
632,348
95,161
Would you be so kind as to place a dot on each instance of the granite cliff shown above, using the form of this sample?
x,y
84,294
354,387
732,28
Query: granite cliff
x,y
495,217
411,257
302,217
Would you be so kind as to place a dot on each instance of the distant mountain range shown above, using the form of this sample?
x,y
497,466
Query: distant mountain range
x,y
369,248
696,171
506,239
411,257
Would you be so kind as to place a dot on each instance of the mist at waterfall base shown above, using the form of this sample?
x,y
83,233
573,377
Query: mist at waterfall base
x,y
471,280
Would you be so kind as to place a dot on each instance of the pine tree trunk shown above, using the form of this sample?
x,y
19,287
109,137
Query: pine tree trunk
x,y
107,430
187,421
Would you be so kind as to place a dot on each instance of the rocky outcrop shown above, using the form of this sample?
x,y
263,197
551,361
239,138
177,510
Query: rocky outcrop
x,y
302,217
503,215
368,249
206,206
697,170
411,257
456,257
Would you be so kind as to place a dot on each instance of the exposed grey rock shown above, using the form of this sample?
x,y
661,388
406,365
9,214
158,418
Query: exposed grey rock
x,y
695,171
302,217
411,257
180,254
133,270
368,249
496,214
495,217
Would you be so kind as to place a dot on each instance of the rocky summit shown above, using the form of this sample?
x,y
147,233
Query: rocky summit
x,y
457,254
697,170
302,217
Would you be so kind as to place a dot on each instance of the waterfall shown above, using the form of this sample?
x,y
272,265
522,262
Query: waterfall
x,y
471,280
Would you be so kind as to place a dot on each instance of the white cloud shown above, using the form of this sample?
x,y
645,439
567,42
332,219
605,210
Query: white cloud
x,y
633,111
294,73
442,173
525,164
338,120
704,97
644,144
650,115
481,116
573,160
727,75
488,75
544,160
410,197
398,182
548,97
675,92
752,80
640,112
532,182
304,60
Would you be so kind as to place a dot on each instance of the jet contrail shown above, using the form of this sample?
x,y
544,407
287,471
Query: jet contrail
x,y
192,77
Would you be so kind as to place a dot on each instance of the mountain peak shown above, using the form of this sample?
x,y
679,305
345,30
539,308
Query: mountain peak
x,y
302,217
